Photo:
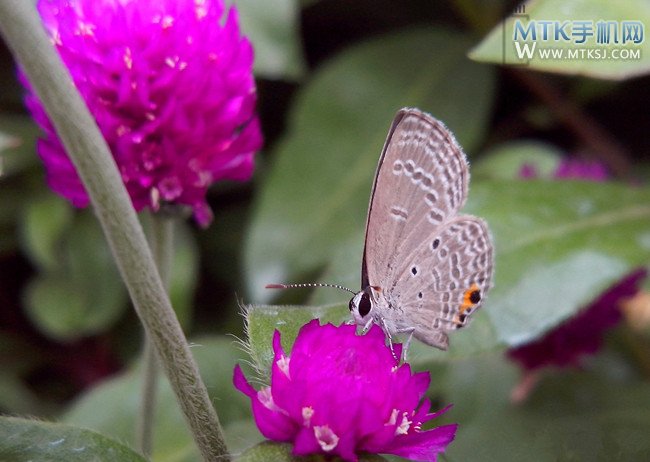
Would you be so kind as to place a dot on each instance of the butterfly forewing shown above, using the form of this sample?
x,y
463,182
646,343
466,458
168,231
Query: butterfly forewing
x,y
420,185
421,181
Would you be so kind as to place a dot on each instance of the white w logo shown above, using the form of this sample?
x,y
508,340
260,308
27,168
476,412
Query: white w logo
x,y
525,50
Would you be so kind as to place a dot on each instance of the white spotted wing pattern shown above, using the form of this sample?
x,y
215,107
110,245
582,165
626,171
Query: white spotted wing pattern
x,y
426,268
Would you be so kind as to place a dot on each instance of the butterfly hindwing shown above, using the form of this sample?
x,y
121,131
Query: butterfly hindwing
x,y
438,291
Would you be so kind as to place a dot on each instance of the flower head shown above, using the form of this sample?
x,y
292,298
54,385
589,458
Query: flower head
x,y
339,393
170,86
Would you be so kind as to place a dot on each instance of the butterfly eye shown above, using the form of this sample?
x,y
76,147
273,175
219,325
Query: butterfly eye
x,y
364,305
351,304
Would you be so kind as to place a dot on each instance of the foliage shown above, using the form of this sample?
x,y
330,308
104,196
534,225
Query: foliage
x,y
330,79
492,48
23,439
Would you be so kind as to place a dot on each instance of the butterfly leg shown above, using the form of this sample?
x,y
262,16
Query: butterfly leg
x,y
407,344
382,323
366,328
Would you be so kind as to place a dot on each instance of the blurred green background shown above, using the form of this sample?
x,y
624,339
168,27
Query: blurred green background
x,y
331,74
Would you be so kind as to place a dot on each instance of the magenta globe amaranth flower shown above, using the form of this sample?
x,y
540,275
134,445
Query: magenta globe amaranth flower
x,y
170,85
343,394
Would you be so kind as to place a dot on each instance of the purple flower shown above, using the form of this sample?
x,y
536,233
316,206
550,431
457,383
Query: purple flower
x,y
581,170
568,169
169,84
583,333
341,394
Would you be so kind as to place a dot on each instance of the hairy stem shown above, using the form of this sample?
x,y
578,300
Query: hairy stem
x,y
24,34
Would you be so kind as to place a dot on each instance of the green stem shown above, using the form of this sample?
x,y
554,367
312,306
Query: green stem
x,y
161,241
24,34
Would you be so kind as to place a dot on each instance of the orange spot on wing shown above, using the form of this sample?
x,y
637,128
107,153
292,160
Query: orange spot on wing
x,y
467,302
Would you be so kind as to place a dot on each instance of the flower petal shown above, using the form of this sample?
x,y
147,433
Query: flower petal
x,y
423,446
271,421
241,384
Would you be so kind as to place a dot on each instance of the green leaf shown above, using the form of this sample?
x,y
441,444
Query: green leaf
x,y
44,222
558,246
272,27
112,406
23,440
55,306
593,414
491,49
506,160
262,321
267,450
83,293
316,195
241,434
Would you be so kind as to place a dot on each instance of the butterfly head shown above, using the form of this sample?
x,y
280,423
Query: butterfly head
x,y
362,307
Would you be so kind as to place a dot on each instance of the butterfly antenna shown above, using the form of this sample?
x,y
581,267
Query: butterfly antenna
x,y
315,284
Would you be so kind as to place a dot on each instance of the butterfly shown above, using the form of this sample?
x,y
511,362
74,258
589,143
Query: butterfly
x,y
426,267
